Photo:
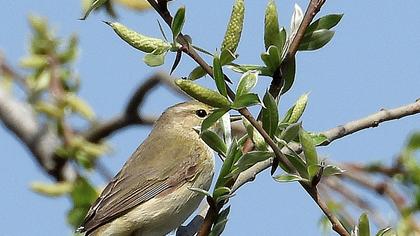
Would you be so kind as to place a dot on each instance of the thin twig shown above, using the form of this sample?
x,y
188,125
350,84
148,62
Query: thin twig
x,y
131,114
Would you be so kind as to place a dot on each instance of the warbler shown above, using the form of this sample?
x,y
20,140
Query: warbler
x,y
150,195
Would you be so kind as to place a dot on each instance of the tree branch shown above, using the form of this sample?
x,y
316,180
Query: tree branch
x,y
335,133
131,114
19,118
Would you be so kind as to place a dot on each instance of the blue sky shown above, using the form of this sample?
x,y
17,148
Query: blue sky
x,y
371,63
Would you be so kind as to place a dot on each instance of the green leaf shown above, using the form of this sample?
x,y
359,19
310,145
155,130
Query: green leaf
x,y
233,154
214,141
271,58
332,170
249,159
213,118
288,178
83,195
290,133
153,60
299,108
271,26
95,4
262,70
363,227
76,215
325,22
319,139
197,73
227,57
313,170
270,114
299,164
246,83
316,40
220,192
414,141
246,100
386,232
282,42
308,148
178,22
289,72
52,190
220,224
200,191
219,76
79,105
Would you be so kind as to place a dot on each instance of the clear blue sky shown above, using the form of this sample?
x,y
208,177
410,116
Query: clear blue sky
x,y
371,63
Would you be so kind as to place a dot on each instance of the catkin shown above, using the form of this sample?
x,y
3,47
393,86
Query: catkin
x,y
139,41
234,30
203,94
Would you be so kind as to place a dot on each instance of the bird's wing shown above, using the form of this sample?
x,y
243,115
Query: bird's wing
x,y
140,180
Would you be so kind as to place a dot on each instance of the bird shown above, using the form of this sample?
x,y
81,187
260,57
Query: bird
x,y
152,194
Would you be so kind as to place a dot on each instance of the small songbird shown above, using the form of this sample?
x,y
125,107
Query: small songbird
x,y
151,195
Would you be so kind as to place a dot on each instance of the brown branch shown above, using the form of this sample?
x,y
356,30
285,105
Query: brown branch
x,y
19,118
336,133
131,115
339,187
277,82
7,70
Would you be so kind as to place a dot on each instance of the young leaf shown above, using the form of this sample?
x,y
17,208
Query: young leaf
x,y
326,22
232,155
153,60
95,4
197,73
214,141
363,226
79,105
220,224
249,159
271,58
213,118
288,178
319,139
316,40
299,164
227,57
219,192
290,133
299,108
297,18
52,190
332,170
178,22
219,76
271,26
200,191
289,74
226,129
246,100
246,83
270,114
308,148
386,232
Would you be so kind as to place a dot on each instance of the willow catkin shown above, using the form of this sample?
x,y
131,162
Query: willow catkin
x,y
139,41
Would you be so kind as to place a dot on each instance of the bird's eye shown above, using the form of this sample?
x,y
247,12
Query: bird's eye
x,y
201,113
